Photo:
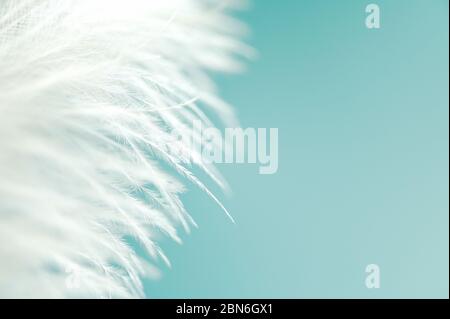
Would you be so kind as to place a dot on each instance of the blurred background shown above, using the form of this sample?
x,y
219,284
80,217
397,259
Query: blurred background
x,y
363,160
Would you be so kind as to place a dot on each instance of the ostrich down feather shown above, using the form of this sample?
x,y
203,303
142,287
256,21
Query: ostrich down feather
x,y
88,89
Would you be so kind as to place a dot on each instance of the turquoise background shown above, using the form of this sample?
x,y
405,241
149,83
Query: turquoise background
x,y
363,160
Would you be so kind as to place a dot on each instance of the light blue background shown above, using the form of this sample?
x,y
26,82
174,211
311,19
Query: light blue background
x,y
363,177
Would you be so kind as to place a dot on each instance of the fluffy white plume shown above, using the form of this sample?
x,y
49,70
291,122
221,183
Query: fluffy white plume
x,y
87,90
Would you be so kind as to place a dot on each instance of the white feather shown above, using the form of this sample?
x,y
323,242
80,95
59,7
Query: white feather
x,y
88,89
